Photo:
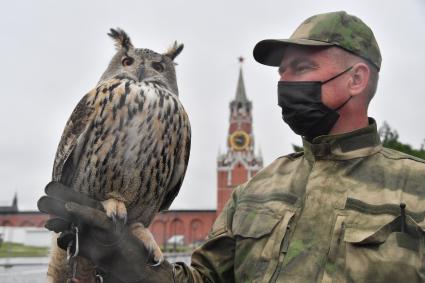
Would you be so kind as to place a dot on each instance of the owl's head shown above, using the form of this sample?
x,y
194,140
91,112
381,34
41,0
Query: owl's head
x,y
142,64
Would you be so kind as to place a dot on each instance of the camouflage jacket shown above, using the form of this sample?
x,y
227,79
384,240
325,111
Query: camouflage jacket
x,y
329,214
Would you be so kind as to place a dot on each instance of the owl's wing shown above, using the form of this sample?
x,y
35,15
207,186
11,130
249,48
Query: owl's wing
x,y
63,166
179,170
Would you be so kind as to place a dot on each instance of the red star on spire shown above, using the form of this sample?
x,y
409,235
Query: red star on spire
x,y
241,59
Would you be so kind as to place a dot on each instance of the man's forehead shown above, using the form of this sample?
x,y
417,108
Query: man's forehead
x,y
301,53
316,54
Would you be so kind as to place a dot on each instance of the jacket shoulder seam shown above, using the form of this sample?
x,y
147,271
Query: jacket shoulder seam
x,y
292,156
397,155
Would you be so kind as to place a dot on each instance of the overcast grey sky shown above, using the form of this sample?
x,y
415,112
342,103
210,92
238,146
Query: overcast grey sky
x,y
53,52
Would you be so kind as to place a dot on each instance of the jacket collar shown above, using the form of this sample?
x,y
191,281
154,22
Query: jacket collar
x,y
355,144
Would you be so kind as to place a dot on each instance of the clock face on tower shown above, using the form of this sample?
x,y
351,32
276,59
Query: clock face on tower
x,y
239,140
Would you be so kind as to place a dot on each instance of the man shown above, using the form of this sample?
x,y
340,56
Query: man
x,y
344,210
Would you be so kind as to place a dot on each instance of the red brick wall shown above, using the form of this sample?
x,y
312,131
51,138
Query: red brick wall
x,y
32,219
247,127
239,174
223,195
193,224
222,179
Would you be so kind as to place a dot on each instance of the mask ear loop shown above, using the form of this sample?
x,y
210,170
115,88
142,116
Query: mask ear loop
x,y
334,77
343,104
337,75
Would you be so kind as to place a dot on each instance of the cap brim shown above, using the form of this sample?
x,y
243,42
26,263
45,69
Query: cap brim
x,y
270,51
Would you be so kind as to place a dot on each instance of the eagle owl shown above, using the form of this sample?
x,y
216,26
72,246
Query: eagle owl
x,y
126,144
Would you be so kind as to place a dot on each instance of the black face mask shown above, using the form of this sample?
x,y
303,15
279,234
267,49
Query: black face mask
x,y
303,109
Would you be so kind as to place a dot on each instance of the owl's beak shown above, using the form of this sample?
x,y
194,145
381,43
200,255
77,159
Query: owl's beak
x,y
141,73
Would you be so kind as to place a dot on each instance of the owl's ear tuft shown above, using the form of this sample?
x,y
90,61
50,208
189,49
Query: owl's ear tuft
x,y
174,50
122,40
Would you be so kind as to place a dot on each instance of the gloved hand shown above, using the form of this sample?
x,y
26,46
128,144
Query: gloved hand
x,y
118,255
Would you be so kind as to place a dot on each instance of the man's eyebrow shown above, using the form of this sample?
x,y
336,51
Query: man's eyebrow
x,y
296,61
303,59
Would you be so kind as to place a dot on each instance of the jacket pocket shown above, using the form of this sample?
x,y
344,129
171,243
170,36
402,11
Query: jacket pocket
x,y
251,223
259,235
381,254
385,254
375,243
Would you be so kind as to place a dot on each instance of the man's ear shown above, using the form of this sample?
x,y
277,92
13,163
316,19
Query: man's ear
x,y
359,79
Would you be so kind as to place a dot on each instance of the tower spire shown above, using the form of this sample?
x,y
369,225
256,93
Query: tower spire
x,y
240,90
238,162
15,202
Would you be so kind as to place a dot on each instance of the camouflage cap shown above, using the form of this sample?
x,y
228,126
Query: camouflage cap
x,y
329,29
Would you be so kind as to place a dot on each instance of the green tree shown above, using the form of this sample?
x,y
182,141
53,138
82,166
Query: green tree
x,y
390,137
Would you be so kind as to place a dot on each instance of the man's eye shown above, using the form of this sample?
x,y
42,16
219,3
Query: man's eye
x,y
302,68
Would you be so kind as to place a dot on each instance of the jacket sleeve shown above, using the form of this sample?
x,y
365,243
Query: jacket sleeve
x,y
214,260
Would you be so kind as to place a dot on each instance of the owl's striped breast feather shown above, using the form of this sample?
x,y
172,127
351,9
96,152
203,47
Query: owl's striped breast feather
x,y
134,147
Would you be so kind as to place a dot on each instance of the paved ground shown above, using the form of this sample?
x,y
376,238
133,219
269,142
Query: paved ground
x,y
23,274
23,270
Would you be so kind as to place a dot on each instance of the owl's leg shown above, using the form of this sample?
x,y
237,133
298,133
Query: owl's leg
x,y
143,234
57,270
115,209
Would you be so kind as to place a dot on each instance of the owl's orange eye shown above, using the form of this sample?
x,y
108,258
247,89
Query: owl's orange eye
x,y
158,66
127,61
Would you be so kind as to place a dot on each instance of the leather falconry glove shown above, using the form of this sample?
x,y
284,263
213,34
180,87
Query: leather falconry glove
x,y
117,254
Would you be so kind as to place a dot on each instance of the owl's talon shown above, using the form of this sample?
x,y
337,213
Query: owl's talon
x,y
144,235
116,218
116,210
118,222
156,264
156,254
